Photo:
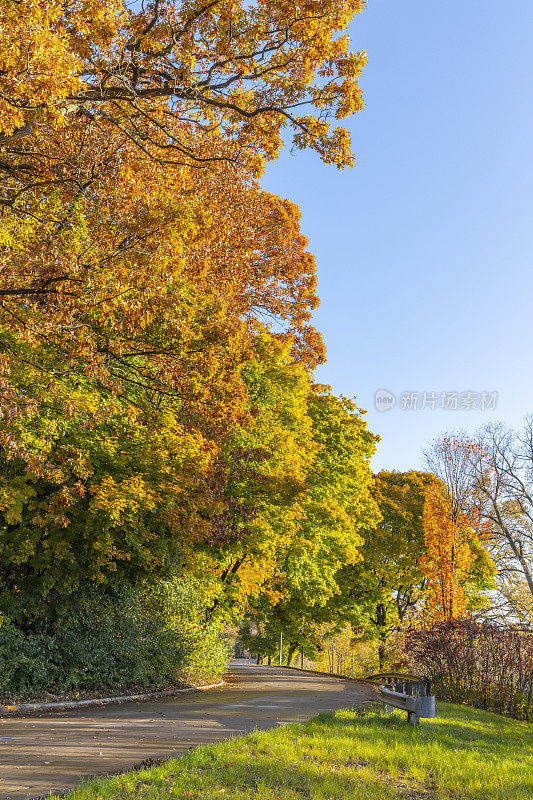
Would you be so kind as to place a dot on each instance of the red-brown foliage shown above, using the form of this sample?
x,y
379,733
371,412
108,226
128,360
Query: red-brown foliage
x,y
477,663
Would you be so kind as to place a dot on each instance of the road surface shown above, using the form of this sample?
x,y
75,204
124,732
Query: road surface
x,y
50,751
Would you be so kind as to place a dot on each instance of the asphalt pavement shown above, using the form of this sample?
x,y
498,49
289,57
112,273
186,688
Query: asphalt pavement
x,y
49,752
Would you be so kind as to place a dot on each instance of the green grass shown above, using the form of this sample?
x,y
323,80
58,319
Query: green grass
x,y
463,753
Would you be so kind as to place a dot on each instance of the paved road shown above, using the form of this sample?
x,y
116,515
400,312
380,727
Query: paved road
x,y
50,752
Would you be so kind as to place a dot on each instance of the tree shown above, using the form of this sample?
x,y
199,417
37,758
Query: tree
x,y
121,259
455,564
501,474
265,463
122,498
156,342
495,473
159,76
450,553
132,281
143,273
388,580
162,326
120,393
303,592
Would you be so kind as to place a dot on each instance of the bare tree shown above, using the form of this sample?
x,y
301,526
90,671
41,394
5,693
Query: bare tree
x,y
489,477
503,479
449,458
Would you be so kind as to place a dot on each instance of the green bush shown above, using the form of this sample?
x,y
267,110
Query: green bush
x,y
155,636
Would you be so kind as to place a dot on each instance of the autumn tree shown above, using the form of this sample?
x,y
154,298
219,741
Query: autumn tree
x,y
158,333
162,73
455,563
108,113
265,467
156,344
125,268
144,374
448,556
302,591
387,582
501,469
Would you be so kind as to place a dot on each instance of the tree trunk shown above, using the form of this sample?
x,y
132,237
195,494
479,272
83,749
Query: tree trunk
x,y
381,622
293,646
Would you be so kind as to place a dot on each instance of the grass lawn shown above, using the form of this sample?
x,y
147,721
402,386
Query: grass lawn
x,y
463,753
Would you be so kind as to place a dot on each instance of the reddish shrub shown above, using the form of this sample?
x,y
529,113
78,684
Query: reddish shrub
x,y
476,663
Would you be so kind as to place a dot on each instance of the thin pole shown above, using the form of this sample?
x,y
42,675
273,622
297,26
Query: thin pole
x,y
352,663
280,646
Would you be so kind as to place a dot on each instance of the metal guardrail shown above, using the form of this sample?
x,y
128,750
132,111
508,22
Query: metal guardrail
x,y
417,706
407,692
405,682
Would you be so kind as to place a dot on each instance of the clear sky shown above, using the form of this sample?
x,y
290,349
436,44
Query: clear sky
x,y
425,248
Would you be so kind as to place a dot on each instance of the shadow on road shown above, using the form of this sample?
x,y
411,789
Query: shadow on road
x,y
51,751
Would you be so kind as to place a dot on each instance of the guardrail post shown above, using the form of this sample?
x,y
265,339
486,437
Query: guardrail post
x,y
416,705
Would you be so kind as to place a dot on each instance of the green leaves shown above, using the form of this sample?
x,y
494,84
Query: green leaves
x,y
312,535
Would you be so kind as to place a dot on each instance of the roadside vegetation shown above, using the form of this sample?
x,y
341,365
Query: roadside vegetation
x,y
152,636
463,753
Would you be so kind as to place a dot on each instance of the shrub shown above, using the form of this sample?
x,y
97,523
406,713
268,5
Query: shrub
x,y
477,663
155,636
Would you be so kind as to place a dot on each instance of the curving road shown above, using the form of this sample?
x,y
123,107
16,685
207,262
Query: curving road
x,y
50,751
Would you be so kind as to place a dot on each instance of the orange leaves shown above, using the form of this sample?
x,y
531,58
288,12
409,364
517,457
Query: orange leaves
x,y
155,281
248,247
138,303
140,261
139,257
230,71
456,565
42,52
37,67
448,558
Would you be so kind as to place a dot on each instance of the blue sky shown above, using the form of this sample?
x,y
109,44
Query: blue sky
x,y
424,249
